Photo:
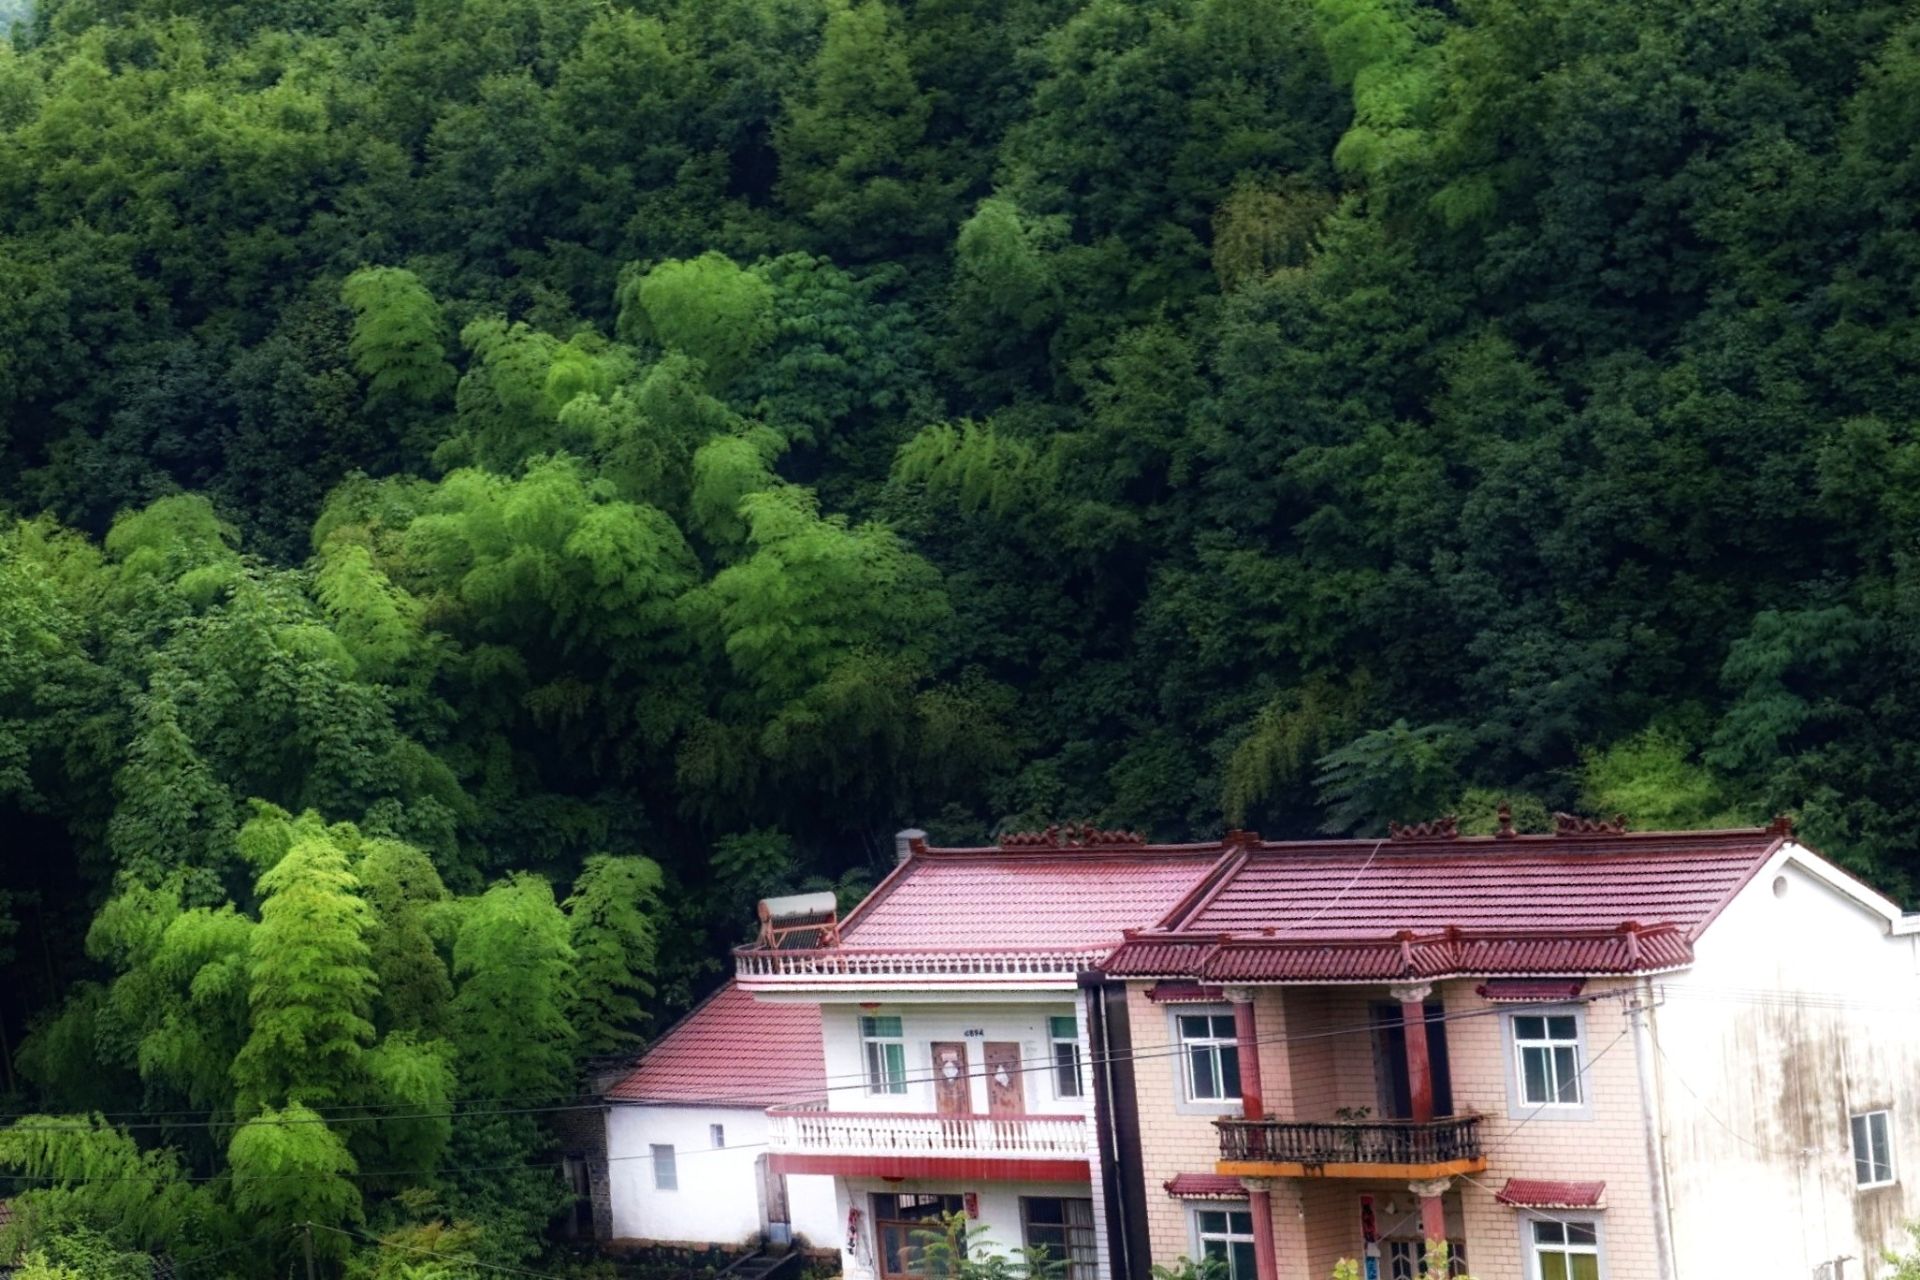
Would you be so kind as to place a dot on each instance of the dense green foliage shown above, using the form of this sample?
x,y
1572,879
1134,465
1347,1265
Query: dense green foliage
x,y
493,486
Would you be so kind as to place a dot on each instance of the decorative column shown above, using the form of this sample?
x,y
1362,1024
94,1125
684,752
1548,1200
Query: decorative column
x,y
1433,1210
1413,1021
1246,1036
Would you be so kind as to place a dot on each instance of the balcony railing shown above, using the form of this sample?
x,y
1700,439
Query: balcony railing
x,y
1377,1142
833,966
804,1130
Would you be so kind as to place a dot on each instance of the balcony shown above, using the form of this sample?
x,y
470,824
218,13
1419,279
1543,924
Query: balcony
x,y
897,1145
858,968
1351,1149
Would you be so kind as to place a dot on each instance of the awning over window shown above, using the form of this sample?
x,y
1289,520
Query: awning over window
x,y
1543,1193
1184,993
1205,1186
1530,990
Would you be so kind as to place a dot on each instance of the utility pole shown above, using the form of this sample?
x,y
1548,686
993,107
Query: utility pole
x,y
306,1244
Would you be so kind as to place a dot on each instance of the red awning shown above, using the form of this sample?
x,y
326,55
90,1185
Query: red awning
x,y
1543,1193
1174,992
1530,990
1205,1186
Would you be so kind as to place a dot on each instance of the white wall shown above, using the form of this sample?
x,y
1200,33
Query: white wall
x,y
720,1199
974,1025
1800,1009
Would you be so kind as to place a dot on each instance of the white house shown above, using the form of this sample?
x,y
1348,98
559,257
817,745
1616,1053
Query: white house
x,y
687,1160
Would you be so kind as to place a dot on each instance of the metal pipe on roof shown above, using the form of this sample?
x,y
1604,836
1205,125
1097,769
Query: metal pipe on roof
x,y
906,842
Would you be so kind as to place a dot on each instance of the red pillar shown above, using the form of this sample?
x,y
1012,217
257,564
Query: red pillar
x,y
1433,1219
1246,1035
1247,1040
1413,1019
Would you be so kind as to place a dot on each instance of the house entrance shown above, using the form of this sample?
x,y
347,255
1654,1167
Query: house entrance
x,y
900,1227
952,1086
1390,1062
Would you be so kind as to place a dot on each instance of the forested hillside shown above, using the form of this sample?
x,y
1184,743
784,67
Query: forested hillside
x,y
493,487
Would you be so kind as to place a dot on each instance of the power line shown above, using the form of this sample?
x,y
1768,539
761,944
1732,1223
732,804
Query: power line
x,y
1020,1066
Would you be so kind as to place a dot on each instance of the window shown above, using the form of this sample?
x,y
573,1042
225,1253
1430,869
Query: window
x,y
886,1055
716,1136
899,1226
1565,1251
1064,1033
1227,1234
1873,1149
1407,1259
1546,1050
666,1173
1064,1228
1213,1061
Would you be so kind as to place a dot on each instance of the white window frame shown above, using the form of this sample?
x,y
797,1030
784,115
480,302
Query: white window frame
x,y
1530,1247
1885,1116
882,1080
1070,1042
1518,1106
1232,1238
666,1160
1184,1099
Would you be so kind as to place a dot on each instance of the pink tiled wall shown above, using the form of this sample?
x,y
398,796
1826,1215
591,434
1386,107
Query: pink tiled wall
x,y
1317,1056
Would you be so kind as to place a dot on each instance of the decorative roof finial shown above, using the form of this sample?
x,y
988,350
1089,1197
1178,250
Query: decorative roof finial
x,y
1504,815
1567,824
1782,825
1446,827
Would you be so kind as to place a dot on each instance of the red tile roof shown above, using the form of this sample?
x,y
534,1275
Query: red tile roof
x,y
1541,1193
1363,910
1205,1186
733,1051
1042,900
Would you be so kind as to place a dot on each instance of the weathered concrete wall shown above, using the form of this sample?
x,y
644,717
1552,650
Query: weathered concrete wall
x,y
1801,1010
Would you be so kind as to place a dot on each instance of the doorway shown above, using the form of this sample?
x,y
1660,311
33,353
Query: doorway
x,y
1394,1090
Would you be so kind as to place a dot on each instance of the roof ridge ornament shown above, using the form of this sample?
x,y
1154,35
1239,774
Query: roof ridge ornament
x,y
1445,827
1503,816
1782,825
1568,824
1072,835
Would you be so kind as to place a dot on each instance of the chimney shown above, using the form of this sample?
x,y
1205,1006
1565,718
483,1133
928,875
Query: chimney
x,y
907,843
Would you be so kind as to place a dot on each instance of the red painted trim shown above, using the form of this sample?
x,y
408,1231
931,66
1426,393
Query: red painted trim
x,y
985,1169
1016,1117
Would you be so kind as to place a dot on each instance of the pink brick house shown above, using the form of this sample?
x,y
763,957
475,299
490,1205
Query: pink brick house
x,y
1591,1055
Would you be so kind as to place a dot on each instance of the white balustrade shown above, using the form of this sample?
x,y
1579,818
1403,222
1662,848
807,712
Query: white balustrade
x,y
800,1129
832,964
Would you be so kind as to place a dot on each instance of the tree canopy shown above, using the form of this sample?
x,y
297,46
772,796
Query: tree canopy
x,y
490,487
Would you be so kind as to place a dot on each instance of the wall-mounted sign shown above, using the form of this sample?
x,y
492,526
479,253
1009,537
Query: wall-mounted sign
x,y
974,1032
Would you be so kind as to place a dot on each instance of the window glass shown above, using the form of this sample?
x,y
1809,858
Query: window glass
x,y
1227,1234
1211,1056
1064,1035
1873,1149
1566,1251
1064,1228
886,1054
666,1171
900,1222
1547,1060
716,1136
